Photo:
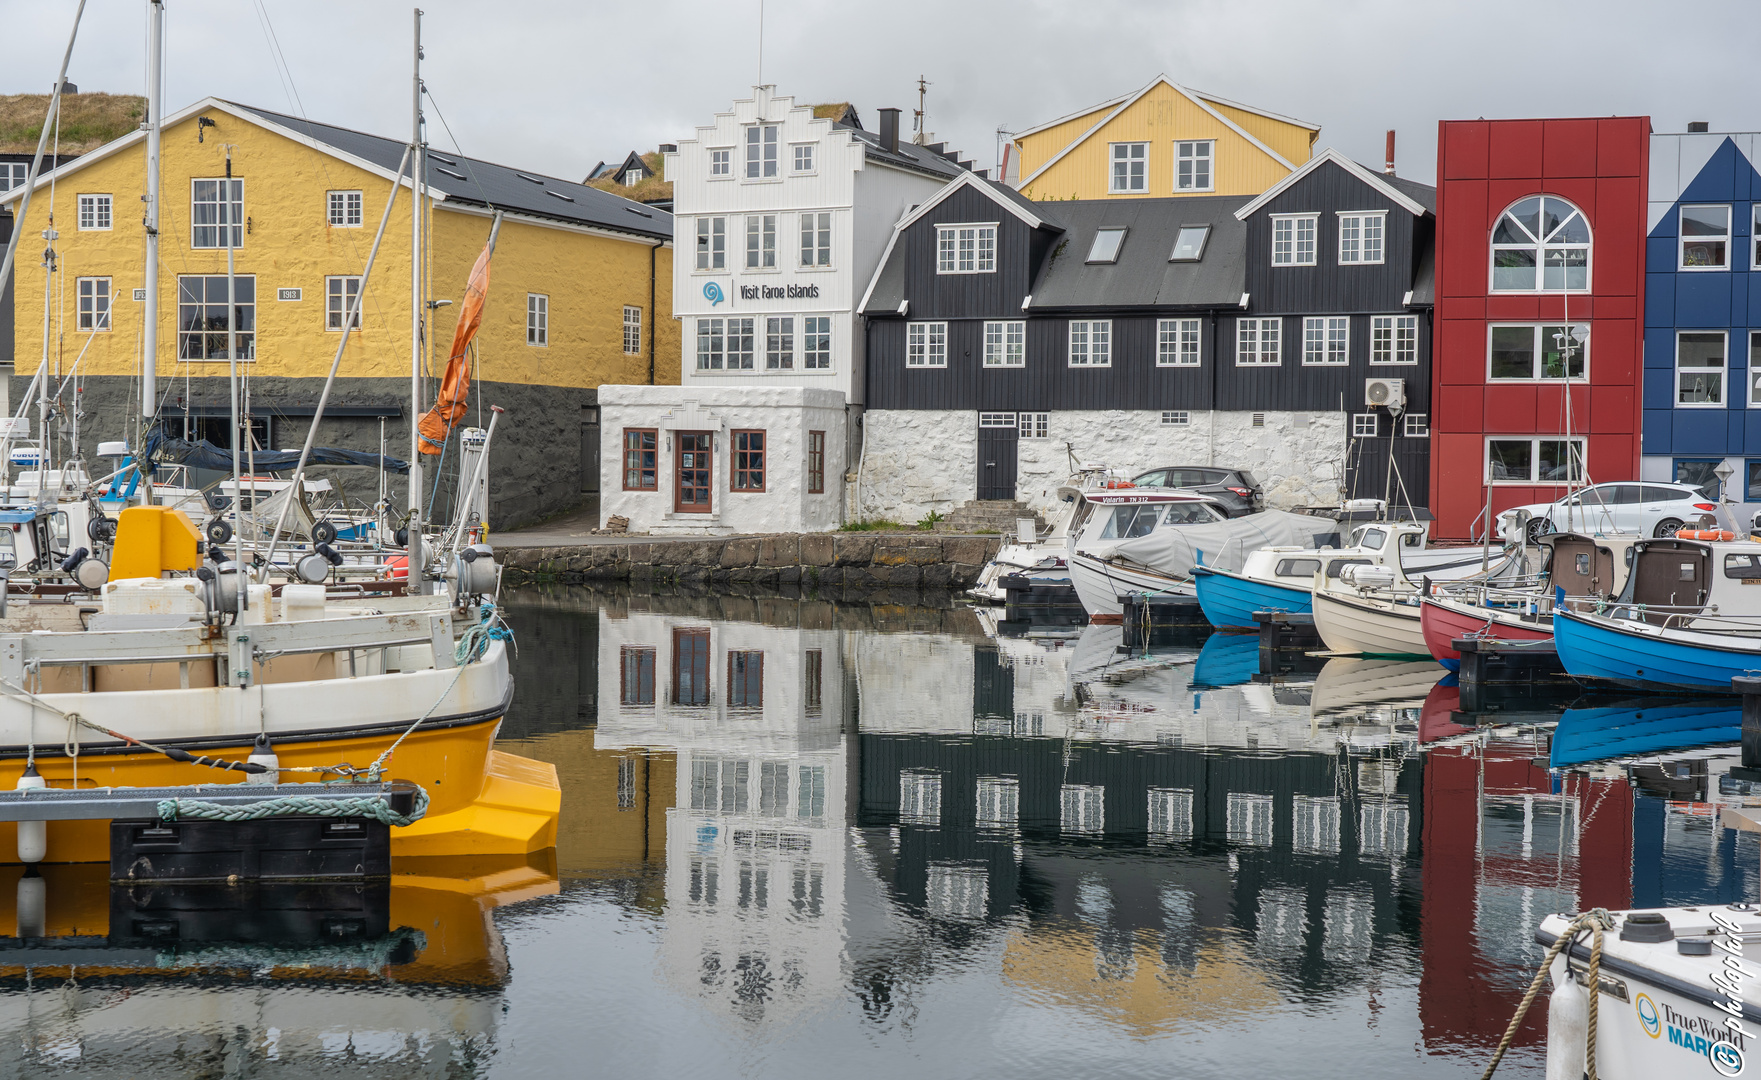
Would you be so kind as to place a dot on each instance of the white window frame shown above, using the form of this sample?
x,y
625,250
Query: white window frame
x,y
1291,228
1723,372
963,243
1186,153
1082,809
1534,442
712,257
816,240
1251,340
1176,418
722,169
13,174
98,210
762,152
1179,342
343,209
761,241
538,320
795,166
996,420
1728,239
742,342
1540,337
712,344
1364,425
1035,425
1092,341
812,357
237,203
1416,425
1359,222
94,320
337,285
926,345
1394,339
1005,344
1754,237
1128,154
1326,340
632,330
1540,247
1754,366
779,343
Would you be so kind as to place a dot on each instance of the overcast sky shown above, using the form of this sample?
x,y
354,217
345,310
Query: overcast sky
x,y
558,85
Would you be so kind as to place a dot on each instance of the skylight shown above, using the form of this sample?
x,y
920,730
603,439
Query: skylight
x,y
455,175
534,179
1189,246
432,156
1106,245
559,195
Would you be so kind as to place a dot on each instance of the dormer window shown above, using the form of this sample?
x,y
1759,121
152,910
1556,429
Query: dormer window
x,y
1105,248
632,177
761,152
1189,246
1541,233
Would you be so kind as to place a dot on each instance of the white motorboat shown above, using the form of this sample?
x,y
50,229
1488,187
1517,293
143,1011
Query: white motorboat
x,y
1372,609
1148,541
1671,998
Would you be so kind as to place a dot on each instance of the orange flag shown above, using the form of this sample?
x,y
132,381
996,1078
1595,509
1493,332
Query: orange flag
x,y
449,408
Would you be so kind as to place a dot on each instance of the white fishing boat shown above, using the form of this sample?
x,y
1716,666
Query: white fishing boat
x,y
1671,993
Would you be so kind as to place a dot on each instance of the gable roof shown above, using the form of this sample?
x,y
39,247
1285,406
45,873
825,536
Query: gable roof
x,y
1119,105
452,178
909,156
1392,191
1143,276
632,161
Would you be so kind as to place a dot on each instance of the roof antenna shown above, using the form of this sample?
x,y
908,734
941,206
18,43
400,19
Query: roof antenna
x,y
761,42
919,119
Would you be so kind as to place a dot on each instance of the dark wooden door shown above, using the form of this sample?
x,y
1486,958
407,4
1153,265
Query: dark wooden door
x,y
996,455
1367,475
589,448
694,472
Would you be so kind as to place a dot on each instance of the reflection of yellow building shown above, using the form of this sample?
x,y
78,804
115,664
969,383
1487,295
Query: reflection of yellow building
x,y
615,802
1138,993
1161,140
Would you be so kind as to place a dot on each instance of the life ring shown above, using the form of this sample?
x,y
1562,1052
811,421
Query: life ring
x,y
1112,484
1705,534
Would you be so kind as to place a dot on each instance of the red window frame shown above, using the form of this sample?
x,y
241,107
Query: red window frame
x,y
816,463
745,679
642,459
636,665
749,465
691,666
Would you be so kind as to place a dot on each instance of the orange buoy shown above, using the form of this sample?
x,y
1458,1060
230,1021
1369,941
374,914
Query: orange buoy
x,y
396,568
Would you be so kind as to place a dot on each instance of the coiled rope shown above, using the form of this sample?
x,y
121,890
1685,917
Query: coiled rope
x,y
1594,921
377,807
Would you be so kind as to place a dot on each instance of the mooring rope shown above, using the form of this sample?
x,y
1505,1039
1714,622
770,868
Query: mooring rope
x,y
473,643
1596,920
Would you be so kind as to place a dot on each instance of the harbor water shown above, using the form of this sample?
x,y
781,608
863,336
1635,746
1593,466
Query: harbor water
x,y
803,838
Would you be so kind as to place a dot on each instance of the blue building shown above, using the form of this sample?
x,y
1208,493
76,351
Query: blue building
x,y
1702,383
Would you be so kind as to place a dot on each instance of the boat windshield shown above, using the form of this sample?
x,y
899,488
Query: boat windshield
x,y
1188,514
1372,538
1130,521
1306,568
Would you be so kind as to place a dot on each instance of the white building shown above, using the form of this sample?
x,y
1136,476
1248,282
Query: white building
x,y
780,218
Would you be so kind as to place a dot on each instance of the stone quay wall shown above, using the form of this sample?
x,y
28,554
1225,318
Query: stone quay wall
x,y
864,560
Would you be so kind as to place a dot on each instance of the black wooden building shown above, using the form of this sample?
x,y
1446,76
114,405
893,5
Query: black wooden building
x,y
990,303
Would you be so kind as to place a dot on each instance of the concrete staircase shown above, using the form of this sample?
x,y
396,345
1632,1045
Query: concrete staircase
x,y
988,516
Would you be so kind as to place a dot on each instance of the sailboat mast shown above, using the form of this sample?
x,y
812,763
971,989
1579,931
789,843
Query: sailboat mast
x,y
418,173
150,330
238,493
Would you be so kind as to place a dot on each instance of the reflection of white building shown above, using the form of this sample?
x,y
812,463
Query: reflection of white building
x,y
755,845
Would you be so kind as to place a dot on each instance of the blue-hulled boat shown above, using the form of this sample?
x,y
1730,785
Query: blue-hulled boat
x,y
1630,728
1684,621
1230,598
1227,660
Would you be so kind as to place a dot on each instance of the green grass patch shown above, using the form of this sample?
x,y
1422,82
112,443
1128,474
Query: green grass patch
x,y
876,525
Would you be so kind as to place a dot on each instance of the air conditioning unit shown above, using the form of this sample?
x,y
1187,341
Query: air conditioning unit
x,y
1385,393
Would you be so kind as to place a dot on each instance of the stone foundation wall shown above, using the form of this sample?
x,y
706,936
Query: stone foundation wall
x,y
866,560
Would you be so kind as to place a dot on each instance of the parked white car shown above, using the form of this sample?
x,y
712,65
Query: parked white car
x,y
1646,509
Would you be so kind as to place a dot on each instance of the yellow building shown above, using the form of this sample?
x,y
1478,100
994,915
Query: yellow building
x,y
577,279
1158,141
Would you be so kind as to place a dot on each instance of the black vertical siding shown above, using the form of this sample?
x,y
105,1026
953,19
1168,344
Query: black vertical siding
x,y
963,296
1327,286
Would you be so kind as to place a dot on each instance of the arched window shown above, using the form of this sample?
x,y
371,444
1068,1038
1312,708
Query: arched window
x,y
1543,232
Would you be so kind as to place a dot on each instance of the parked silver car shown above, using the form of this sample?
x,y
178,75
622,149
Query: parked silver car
x,y
1643,508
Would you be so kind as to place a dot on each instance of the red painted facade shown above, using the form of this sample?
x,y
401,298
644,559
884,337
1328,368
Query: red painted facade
x,y
1483,167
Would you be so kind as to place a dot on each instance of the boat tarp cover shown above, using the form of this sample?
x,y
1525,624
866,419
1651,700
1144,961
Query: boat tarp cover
x,y
202,454
1225,545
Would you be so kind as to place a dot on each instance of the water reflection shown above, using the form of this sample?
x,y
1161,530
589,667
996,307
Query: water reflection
x,y
800,835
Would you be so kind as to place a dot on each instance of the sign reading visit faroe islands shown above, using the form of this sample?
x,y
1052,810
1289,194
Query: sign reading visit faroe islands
x,y
712,291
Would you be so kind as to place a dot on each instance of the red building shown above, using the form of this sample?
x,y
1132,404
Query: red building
x,y
1539,286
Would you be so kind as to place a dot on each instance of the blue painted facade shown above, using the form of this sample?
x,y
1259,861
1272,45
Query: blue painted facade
x,y
1681,440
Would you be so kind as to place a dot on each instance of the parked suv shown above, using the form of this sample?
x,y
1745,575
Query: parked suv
x,y
1648,509
1234,490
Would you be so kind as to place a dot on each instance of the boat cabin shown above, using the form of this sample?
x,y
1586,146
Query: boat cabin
x,y
1588,566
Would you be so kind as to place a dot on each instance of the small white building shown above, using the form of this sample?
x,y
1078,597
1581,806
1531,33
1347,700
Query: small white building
x,y
781,218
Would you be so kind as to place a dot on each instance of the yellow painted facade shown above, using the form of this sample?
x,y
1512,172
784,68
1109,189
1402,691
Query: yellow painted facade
x,y
588,276
1072,159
